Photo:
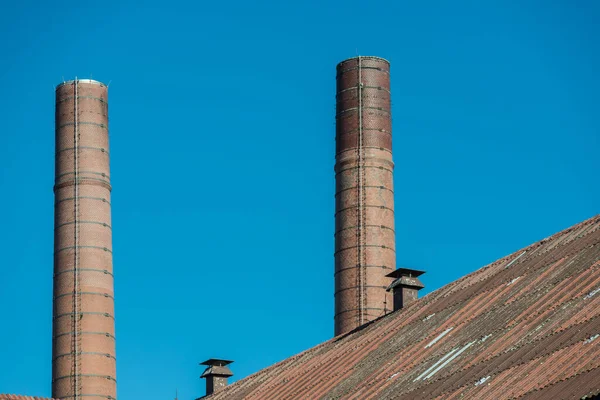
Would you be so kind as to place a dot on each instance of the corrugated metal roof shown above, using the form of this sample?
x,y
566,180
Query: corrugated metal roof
x,y
526,326
18,397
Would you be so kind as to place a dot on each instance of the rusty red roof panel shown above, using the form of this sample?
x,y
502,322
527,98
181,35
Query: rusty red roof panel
x,y
19,397
526,326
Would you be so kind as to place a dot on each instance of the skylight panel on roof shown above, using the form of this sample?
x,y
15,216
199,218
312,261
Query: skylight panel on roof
x,y
592,293
428,317
592,338
435,365
513,261
441,335
482,380
448,361
513,281
486,337
441,363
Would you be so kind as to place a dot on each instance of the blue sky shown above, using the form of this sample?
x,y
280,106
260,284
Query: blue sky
x,y
222,145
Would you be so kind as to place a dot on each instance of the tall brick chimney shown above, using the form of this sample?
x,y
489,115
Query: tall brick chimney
x,y
216,374
364,218
83,340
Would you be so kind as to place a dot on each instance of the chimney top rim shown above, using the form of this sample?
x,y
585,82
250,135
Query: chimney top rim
x,y
90,81
363,57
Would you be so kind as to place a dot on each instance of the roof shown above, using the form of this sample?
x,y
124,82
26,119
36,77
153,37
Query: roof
x,y
526,326
18,397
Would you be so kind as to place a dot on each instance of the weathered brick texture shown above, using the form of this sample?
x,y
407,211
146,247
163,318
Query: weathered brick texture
x,y
364,219
83,359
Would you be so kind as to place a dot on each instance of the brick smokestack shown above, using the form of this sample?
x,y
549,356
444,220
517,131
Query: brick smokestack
x,y
83,359
364,218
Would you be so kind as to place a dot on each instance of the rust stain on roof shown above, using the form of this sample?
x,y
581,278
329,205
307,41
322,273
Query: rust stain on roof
x,y
526,326
18,397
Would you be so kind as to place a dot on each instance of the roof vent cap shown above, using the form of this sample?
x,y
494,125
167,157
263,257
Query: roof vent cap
x,y
405,286
216,374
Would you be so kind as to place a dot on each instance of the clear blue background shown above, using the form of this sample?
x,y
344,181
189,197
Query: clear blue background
x,y
222,135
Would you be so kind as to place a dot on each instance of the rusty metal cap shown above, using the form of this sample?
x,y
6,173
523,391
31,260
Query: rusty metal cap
x,y
216,371
216,367
405,272
407,282
406,277
216,362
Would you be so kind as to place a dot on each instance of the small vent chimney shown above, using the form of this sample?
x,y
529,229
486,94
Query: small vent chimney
x,y
216,374
405,286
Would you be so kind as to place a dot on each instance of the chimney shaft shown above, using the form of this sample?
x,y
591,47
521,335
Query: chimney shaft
x,y
364,218
405,286
216,374
83,340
